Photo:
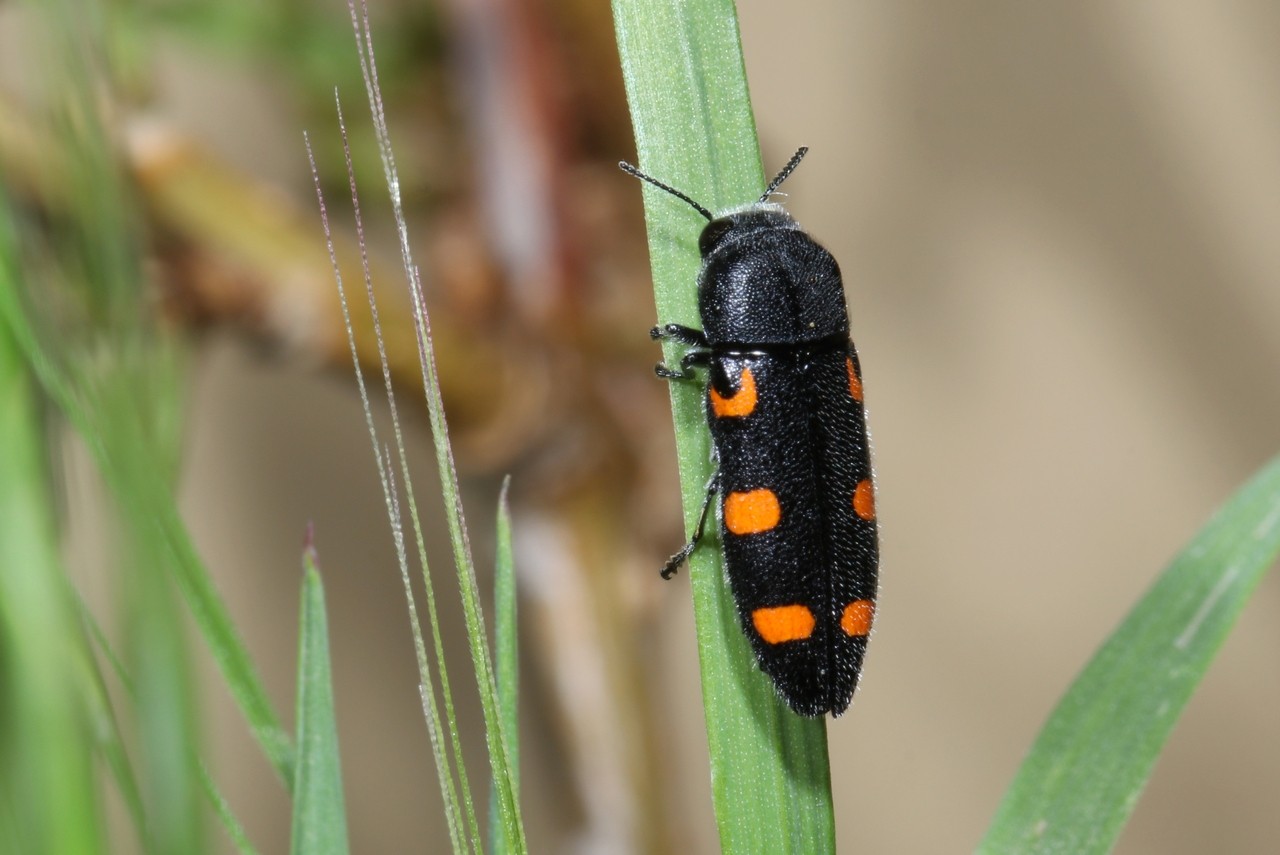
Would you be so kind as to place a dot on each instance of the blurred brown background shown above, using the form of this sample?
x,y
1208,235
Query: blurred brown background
x,y
1058,228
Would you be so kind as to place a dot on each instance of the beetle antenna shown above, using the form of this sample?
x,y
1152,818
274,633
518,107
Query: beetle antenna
x,y
786,171
631,170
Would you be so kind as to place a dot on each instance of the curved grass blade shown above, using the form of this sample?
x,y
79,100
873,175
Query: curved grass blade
x,y
687,90
1077,787
319,813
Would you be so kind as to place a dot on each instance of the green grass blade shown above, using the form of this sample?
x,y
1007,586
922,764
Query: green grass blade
x,y
478,643
235,831
108,733
157,651
154,506
109,743
222,638
686,86
82,320
155,645
506,661
446,753
1083,776
319,815
107,375
48,801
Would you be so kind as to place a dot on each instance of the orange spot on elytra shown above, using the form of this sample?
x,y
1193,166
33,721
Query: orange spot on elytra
x,y
864,500
751,512
740,403
857,616
783,623
855,382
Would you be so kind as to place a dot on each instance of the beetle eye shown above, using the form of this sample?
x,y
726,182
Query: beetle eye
x,y
713,234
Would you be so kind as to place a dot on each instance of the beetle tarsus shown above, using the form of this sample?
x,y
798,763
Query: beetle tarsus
x,y
680,333
694,358
674,562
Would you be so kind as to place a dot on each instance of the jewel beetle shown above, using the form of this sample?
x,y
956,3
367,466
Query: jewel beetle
x,y
784,405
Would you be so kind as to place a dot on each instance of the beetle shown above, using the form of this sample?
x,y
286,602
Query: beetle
x,y
784,406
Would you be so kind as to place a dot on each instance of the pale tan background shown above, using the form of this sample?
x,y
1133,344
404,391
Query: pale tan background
x,y
1059,227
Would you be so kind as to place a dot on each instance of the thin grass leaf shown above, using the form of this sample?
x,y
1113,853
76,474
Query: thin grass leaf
x,y
152,504
506,659
687,90
164,712
48,801
154,640
447,755
230,824
319,813
1083,776
87,266
108,742
82,320
513,828
106,727
114,384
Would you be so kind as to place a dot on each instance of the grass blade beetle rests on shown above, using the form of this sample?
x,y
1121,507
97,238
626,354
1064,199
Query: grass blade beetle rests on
x,y
784,407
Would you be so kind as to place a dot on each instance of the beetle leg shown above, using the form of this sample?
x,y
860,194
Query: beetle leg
x,y
687,362
682,334
673,563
